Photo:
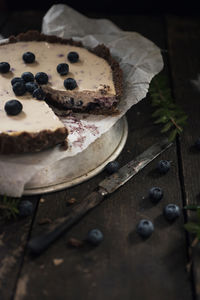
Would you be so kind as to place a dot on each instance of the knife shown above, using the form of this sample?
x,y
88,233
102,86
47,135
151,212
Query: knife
x,y
110,184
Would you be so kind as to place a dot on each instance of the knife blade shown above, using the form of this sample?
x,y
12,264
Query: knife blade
x,y
110,184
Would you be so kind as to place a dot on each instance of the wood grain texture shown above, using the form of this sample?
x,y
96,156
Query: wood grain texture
x,y
14,234
13,239
184,49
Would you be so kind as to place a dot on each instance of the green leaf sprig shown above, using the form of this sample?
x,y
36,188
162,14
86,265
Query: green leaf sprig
x,y
194,227
8,207
166,111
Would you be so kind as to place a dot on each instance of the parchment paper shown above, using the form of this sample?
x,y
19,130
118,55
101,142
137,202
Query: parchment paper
x,y
140,60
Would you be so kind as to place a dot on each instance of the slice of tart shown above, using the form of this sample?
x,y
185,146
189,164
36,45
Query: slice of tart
x,y
37,70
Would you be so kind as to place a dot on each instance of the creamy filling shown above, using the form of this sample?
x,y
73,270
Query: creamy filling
x,y
92,74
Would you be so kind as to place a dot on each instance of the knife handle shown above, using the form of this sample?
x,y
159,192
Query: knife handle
x,y
40,243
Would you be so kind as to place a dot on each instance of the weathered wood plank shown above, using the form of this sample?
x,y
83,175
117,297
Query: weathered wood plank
x,y
184,48
14,233
13,239
123,266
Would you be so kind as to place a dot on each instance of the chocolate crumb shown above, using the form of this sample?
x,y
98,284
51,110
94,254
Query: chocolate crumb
x,y
71,201
64,145
44,221
58,261
71,101
73,242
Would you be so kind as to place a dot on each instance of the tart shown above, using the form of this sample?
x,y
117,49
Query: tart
x,y
87,81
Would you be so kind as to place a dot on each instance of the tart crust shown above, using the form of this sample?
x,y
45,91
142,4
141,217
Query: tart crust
x,y
31,142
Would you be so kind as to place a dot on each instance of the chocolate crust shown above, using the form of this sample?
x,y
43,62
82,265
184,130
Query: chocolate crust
x,y
31,142
100,50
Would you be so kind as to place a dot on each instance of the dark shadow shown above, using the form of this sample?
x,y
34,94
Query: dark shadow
x,y
193,150
161,222
146,203
134,238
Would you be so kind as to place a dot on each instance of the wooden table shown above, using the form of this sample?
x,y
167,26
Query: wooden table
x,y
123,266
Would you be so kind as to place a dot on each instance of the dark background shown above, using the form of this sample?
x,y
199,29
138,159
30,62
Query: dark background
x,y
110,7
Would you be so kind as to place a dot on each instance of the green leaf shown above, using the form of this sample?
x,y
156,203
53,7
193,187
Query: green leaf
x,y
182,120
172,135
162,119
167,127
192,207
192,227
198,215
166,109
158,112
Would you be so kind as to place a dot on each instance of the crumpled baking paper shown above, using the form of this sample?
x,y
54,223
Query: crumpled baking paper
x,y
140,60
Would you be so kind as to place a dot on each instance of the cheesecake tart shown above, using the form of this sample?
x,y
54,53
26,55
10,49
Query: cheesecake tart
x,y
44,72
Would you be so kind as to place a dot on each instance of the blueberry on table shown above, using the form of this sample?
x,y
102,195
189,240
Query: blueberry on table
x,y
171,212
39,94
145,228
4,67
13,107
155,194
62,69
28,57
31,86
163,166
17,79
95,237
112,167
41,78
70,83
73,56
27,76
19,88
25,208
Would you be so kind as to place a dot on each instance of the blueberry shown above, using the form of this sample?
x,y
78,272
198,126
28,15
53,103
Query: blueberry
x,y
79,103
28,57
19,88
63,69
70,83
4,67
171,212
197,144
41,78
27,76
145,228
71,101
163,166
13,107
25,208
112,167
31,86
92,106
155,194
39,94
95,237
17,79
73,56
